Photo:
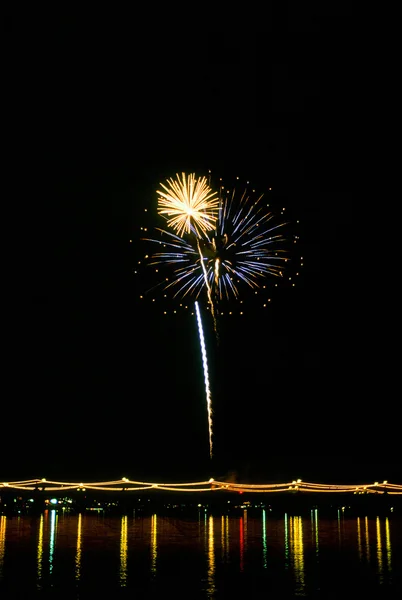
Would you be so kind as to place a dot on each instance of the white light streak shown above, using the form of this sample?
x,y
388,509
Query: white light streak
x,y
206,376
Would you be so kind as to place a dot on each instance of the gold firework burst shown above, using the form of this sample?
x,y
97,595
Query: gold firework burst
x,y
188,204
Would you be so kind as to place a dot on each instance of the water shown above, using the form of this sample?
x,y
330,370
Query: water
x,y
249,555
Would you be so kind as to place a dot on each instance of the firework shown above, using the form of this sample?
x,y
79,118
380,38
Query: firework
x,y
206,376
189,204
245,247
215,242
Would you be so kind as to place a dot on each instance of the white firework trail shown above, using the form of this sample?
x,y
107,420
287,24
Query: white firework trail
x,y
206,376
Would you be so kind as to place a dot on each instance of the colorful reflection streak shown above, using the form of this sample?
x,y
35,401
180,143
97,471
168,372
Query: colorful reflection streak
x,y
315,523
123,552
367,538
225,538
154,543
39,555
241,543
211,557
78,549
388,545
297,552
286,541
52,542
3,525
264,539
379,549
281,552
339,529
245,529
383,544
359,538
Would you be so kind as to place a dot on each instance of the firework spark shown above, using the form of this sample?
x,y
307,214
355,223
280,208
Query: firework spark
x,y
206,376
245,246
189,204
217,243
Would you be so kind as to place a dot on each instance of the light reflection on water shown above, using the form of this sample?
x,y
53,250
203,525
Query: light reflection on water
x,y
123,551
359,538
78,548
264,539
316,542
154,543
297,552
3,525
211,558
52,542
367,539
40,553
286,542
379,549
388,544
241,542
144,551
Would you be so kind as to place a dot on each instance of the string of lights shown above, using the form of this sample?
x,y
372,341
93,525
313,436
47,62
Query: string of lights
x,y
126,484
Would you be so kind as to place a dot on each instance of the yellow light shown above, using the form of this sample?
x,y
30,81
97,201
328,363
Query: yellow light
x,y
188,203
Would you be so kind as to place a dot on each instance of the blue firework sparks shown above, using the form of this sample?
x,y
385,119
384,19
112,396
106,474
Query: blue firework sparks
x,y
247,245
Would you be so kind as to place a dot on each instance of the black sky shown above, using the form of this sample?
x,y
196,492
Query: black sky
x,y
95,385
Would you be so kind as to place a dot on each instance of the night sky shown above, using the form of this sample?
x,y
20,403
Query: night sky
x,y
98,385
